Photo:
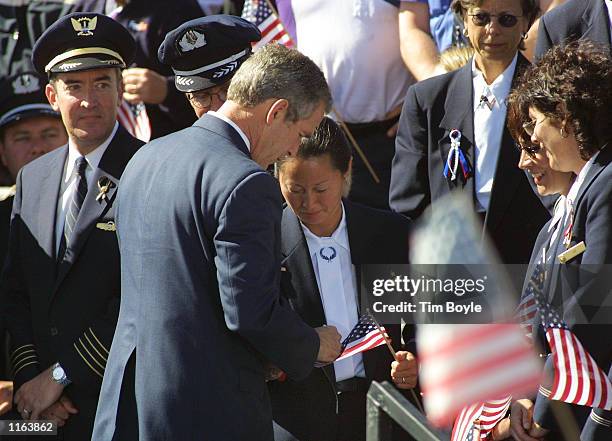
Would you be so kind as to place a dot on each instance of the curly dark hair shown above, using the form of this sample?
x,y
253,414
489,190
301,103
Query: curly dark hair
x,y
516,116
530,9
572,83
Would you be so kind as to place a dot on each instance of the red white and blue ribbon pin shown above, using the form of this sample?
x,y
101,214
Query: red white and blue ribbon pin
x,y
456,157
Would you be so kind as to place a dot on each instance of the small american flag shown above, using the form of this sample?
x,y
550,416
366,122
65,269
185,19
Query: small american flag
x,y
578,379
462,364
363,337
526,311
481,416
464,424
261,14
134,118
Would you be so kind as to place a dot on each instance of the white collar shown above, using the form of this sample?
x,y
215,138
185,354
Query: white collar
x,y
222,117
93,158
340,234
500,87
609,6
575,188
559,210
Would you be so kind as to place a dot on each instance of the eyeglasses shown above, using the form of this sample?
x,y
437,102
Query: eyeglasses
x,y
484,18
530,149
202,99
529,126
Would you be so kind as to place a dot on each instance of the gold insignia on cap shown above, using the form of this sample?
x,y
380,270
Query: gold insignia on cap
x,y
25,83
84,25
192,40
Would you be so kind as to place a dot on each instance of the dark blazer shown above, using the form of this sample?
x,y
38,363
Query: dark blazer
x,y
579,288
64,311
307,408
199,233
6,206
575,19
432,109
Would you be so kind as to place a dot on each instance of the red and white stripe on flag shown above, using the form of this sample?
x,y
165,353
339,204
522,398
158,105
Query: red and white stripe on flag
x,y
493,412
463,364
483,417
135,120
465,422
261,14
578,379
371,340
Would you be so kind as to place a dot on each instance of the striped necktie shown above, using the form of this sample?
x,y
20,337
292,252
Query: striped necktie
x,y
78,196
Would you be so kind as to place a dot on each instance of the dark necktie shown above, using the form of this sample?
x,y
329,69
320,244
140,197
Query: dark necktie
x,y
78,196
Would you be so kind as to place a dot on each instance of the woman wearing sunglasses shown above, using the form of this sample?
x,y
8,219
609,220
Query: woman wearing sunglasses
x,y
562,112
549,182
452,134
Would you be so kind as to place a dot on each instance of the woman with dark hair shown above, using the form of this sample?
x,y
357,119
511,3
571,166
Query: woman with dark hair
x,y
452,137
324,240
568,99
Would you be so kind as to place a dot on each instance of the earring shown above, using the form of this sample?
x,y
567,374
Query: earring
x,y
563,133
524,35
465,32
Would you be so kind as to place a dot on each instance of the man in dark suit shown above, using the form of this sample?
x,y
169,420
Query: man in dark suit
x,y
60,284
199,229
576,19
452,135
422,148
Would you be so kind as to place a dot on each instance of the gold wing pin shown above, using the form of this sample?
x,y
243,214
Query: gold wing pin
x,y
106,226
104,184
84,25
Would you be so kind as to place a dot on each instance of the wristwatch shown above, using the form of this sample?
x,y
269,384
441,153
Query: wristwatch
x,y
59,375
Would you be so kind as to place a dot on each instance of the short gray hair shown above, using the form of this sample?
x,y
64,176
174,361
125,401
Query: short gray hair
x,y
278,72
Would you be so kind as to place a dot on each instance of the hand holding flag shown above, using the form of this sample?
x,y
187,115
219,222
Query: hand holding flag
x,y
364,336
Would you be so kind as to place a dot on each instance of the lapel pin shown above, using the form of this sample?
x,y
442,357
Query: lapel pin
x,y
106,226
455,158
572,252
104,184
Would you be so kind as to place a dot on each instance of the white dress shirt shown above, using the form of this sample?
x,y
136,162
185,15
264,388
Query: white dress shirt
x,y
555,226
489,121
233,124
341,312
69,181
575,188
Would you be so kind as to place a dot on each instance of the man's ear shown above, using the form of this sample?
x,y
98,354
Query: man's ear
x,y
52,97
277,111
